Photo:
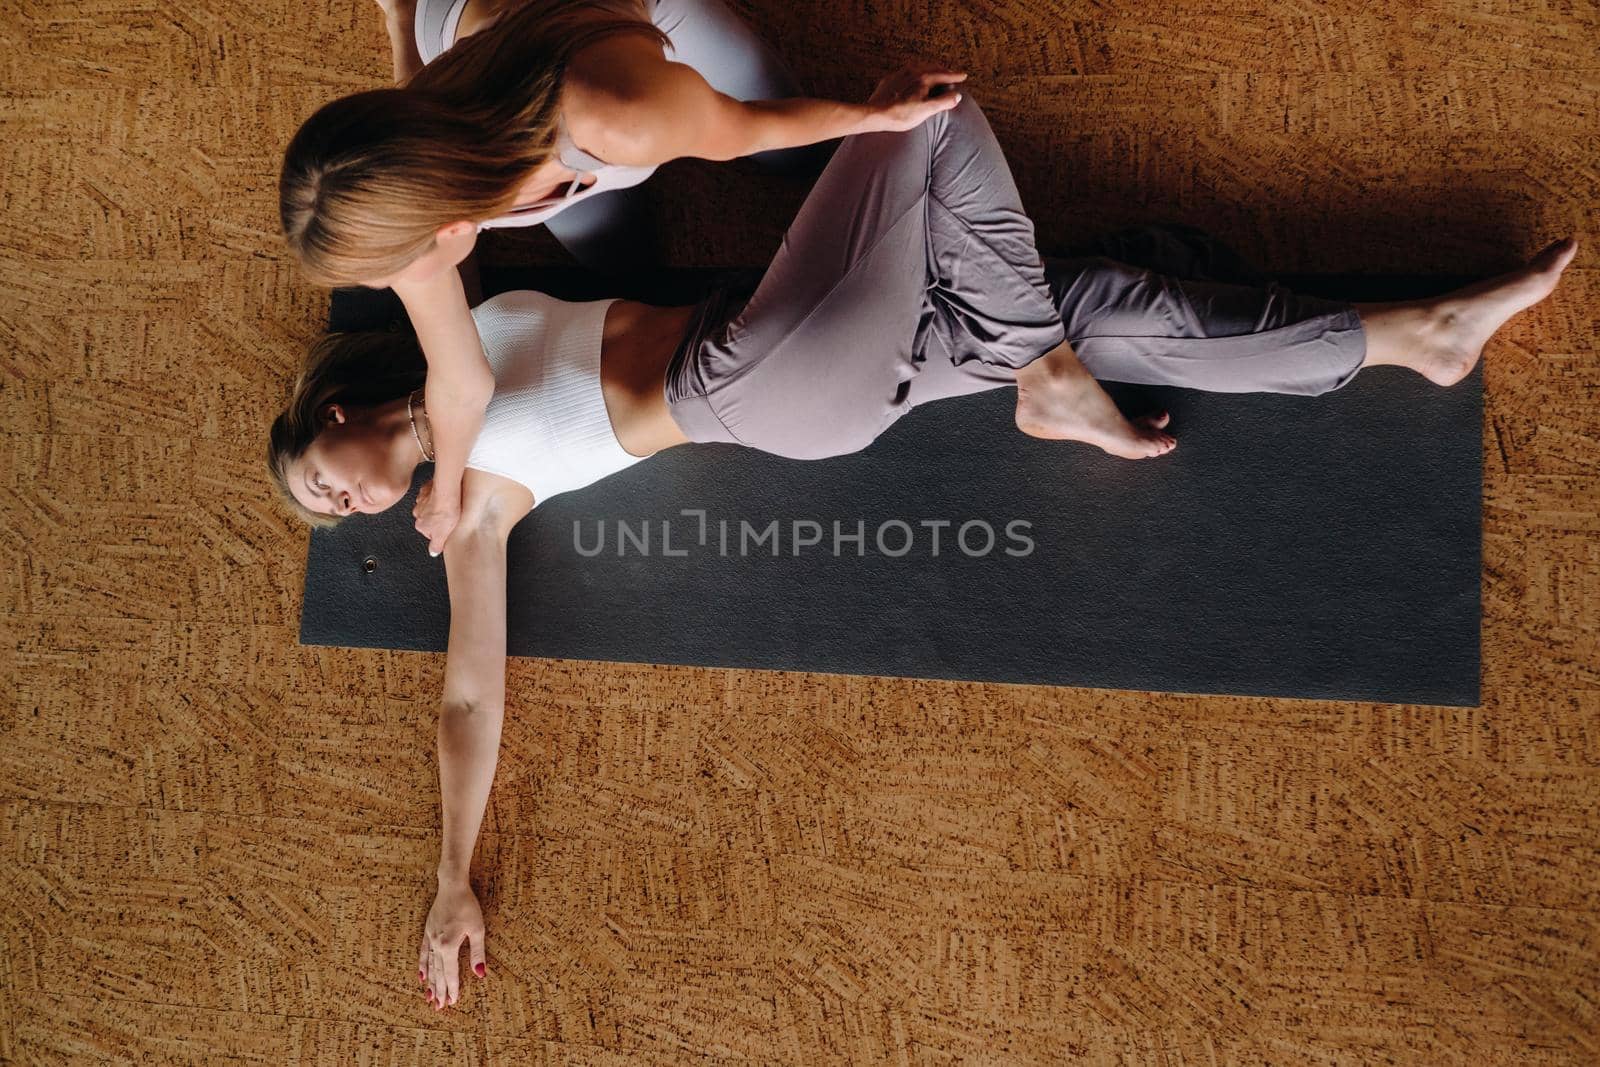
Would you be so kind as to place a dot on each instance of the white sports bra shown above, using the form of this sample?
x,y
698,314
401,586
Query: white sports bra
x,y
436,24
606,176
546,426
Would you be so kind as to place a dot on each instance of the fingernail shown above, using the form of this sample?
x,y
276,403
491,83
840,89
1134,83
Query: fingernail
x,y
432,553
479,968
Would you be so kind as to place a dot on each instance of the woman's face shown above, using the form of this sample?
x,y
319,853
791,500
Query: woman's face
x,y
361,462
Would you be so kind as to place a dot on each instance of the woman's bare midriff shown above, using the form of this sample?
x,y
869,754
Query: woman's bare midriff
x,y
636,345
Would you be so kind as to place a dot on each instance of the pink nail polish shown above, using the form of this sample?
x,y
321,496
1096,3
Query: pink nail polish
x,y
480,969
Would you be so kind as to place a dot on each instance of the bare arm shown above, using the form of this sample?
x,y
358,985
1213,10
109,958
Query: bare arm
x,y
399,20
460,383
472,710
473,703
627,103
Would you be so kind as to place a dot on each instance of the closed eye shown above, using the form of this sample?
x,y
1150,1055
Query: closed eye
x,y
318,486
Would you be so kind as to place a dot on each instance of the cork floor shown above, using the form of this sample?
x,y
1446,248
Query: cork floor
x,y
218,845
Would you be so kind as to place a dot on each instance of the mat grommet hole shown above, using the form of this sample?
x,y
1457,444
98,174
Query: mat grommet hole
x,y
369,564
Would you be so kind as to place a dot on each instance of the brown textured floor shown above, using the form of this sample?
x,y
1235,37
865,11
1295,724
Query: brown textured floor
x,y
218,845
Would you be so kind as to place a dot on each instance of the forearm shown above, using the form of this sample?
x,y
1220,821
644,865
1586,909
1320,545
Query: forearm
x,y
456,418
469,749
460,381
440,312
794,122
400,23
641,109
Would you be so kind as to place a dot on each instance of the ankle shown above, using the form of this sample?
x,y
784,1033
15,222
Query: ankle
x,y
1398,333
1060,364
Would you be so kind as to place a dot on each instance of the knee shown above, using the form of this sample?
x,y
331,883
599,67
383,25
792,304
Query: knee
x,y
962,145
1097,279
963,119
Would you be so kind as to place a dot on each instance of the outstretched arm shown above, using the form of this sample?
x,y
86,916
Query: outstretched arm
x,y
471,712
629,104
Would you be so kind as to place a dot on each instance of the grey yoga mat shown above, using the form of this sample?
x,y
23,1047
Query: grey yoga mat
x,y
1324,547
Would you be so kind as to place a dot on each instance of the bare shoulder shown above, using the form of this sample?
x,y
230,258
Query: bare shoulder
x,y
640,111
614,69
616,95
492,503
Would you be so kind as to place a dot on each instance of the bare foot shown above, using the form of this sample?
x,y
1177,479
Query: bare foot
x,y
1442,339
1058,400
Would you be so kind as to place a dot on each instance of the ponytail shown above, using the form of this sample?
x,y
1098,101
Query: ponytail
x,y
369,178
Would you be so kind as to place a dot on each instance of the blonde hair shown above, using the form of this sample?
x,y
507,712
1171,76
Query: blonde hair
x,y
356,369
369,178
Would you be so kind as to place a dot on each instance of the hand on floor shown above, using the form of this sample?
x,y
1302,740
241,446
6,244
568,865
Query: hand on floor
x,y
455,917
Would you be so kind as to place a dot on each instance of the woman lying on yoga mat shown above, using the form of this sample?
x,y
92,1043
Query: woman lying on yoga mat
x,y
540,117
908,276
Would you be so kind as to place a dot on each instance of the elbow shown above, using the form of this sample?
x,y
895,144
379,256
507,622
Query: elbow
x,y
465,711
737,145
765,128
469,730
465,389
755,135
482,388
740,128
474,381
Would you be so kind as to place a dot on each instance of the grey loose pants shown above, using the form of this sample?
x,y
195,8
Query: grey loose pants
x,y
911,275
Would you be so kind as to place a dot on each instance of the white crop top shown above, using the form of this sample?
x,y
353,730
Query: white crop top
x,y
546,426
